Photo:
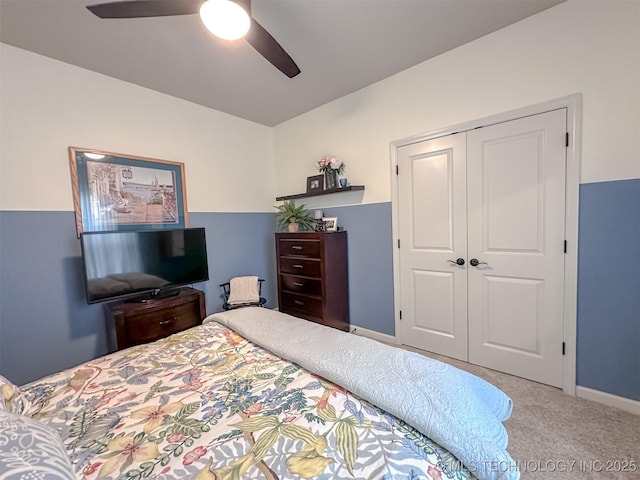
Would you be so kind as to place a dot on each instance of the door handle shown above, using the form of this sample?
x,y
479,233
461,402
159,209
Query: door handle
x,y
474,262
459,261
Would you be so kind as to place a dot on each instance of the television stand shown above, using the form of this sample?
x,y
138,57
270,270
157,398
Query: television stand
x,y
143,322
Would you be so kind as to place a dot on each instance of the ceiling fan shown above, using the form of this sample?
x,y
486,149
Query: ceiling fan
x,y
257,36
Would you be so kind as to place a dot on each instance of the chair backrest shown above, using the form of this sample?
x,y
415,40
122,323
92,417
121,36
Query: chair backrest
x,y
226,291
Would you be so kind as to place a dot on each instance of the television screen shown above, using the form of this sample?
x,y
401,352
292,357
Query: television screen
x,y
145,263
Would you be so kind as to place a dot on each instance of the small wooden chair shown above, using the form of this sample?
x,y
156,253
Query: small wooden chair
x,y
226,291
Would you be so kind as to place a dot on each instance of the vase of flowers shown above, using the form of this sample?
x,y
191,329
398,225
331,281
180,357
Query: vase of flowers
x,y
331,166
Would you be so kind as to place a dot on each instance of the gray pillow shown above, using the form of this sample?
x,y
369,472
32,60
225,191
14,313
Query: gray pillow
x,y
31,449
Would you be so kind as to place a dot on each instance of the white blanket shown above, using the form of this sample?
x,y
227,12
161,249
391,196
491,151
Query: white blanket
x,y
243,290
460,411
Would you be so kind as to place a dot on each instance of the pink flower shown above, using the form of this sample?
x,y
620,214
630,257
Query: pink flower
x,y
192,385
107,397
91,468
193,455
435,473
175,438
253,409
330,163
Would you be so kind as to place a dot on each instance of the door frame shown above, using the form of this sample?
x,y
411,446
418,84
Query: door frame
x,y
573,105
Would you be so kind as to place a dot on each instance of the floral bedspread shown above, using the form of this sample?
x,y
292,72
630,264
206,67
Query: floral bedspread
x,y
208,404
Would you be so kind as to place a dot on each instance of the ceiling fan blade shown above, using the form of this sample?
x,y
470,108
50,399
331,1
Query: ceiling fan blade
x,y
257,36
270,49
145,8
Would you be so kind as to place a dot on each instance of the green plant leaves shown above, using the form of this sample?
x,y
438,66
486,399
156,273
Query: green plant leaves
x,y
289,212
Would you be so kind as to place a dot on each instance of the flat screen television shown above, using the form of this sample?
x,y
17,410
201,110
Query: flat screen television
x,y
142,265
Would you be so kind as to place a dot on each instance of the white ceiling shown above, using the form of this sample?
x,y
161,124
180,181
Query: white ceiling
x,y
340,46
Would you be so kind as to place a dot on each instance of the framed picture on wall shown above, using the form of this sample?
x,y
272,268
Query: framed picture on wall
x,y
330,224
112,191
315,184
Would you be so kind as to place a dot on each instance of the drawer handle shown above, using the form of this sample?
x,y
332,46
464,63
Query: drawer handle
x,y
298,302
298,284
296,247
162,323
297,265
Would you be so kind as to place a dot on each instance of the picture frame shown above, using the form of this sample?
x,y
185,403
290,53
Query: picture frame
x,y
330,224
315,184
114,191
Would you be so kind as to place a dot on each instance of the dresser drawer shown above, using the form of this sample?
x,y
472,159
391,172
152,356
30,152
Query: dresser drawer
x,y
313,280
300,266
301,248
304,285
301,302
151,326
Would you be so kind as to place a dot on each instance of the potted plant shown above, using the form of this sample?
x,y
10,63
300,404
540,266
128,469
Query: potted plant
x,y
291,216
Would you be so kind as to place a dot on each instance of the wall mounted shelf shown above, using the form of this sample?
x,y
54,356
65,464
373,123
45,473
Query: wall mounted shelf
x,y
350,188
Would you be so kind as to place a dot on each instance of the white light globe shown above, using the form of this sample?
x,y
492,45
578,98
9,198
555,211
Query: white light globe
x,y
225,19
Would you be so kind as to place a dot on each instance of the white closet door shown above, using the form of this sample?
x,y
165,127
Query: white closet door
x,y
516,208
493,198
433,235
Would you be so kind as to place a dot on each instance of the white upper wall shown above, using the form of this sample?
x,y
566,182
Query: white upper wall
x,y
588,47
47,106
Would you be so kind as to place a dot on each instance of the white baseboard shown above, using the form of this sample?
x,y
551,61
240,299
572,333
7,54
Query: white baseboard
x,y
632,406
373,335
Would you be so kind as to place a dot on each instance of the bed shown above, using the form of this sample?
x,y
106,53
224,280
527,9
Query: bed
x,y
256,394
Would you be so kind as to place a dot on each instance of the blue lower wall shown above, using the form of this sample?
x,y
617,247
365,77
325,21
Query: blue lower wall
x,y
608,343
45,324
369,234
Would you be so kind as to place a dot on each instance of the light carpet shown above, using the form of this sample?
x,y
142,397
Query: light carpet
x,y
555,436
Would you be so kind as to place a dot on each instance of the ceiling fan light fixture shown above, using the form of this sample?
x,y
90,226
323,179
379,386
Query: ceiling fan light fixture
x,y
225,19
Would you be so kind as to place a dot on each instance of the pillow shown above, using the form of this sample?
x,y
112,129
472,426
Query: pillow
x,y
243,290
31,449
8,392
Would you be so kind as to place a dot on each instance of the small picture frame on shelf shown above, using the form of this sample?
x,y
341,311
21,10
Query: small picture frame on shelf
x,y
330,224
315,184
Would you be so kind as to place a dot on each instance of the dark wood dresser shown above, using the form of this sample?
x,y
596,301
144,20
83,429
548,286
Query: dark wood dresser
x,y
143,322
313,280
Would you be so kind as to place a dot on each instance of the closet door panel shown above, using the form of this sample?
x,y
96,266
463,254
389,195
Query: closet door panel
x,y
432,211
516,185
